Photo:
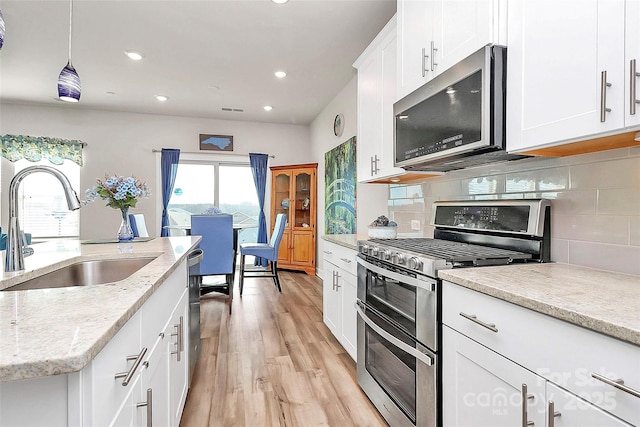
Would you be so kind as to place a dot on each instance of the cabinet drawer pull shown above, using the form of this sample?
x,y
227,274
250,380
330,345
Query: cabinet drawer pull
x,y
347,260
619,384
633,76
525,396
552,414
474,319
433,56
424,61
149,405
128,375
603,96
327,252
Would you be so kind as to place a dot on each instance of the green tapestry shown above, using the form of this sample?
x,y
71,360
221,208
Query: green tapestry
x,y
340,189
36,148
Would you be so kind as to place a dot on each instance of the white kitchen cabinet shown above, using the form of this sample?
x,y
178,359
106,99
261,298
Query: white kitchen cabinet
x,y
339,295
377,68
434,35
178,360
559,353
129,413
632,63
568,75
482,388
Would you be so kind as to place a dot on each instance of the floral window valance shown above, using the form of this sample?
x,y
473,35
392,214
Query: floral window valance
x,y
36,148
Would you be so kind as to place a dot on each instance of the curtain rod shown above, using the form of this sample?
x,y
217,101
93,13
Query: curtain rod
x,y
155,150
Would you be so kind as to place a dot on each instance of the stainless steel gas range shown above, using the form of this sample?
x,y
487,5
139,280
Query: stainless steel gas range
x,y
399,314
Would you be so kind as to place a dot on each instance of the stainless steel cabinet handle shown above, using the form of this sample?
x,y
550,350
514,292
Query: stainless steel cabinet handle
x,y
347,260
149,405
474,319
424,358
338,280
433,56
376,169
194,257
128,375
179,341
424,61
603,96
552,413
619,384
327,252
525,396
633,76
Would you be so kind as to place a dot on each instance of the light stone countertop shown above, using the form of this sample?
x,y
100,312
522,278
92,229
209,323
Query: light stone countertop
x,y
57,331
347,240
602,301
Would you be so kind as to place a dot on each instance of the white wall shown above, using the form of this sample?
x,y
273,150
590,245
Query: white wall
x,y
122,143
371,199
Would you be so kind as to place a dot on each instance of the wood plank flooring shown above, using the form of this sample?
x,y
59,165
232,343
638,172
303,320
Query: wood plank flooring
x,y
273,362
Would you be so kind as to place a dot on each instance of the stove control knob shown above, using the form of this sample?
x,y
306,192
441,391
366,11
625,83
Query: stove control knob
x,y
414,263
398,258
385,254
374,251
364,249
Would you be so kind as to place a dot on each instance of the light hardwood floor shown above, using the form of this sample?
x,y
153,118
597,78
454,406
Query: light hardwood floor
x,y
273,362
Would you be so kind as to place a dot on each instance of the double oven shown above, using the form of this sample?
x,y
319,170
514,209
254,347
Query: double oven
x,y
399,297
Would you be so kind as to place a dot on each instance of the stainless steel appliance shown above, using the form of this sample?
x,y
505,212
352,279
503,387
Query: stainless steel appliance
x,y
195,280
399,315
457,119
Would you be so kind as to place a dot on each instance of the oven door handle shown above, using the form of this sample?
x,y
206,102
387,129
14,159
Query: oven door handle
x,y
424,358
428,285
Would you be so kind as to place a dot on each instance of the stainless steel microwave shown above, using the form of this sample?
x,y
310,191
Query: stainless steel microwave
x,y
457,119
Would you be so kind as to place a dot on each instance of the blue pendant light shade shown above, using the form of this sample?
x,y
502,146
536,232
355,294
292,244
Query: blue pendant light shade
x,y
1,30
68,81
69,84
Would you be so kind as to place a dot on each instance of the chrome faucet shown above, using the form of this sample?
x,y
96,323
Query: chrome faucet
x,y
14,260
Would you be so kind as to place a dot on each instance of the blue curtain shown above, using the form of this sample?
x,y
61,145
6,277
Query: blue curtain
x,y
169,168
259,170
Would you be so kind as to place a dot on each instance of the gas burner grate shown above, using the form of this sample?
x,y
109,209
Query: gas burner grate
x,y
454,252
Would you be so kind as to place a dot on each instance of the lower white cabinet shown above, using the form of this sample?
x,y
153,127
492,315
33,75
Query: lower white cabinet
x,y
339,295
140,378
492,347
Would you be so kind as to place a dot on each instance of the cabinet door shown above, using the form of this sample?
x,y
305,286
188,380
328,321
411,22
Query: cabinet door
x,y
415,30
349,317
558,50
482,388
155,384
461,27
303,248
303,202
281,194
369,112
178,361
284,250
570,410
129,415
331,299
632,52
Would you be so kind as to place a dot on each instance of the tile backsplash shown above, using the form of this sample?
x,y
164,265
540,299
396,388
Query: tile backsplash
x,y
595,202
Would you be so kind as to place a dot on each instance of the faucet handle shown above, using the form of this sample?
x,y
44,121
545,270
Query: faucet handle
x,y
26,250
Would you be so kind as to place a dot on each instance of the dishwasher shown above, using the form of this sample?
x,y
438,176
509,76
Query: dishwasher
x,y
195,280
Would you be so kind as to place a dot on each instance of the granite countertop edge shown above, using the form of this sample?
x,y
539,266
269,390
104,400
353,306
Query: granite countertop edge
x,y
555,300
137,289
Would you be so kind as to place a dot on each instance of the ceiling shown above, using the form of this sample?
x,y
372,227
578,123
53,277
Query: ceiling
x,y
203,55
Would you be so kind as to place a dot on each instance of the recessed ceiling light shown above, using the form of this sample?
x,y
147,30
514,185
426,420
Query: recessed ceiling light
x,y
280,1
280,74
132,54
268,108
161,98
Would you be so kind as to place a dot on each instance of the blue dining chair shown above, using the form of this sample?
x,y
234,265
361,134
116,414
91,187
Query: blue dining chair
x,y
219,254
269,251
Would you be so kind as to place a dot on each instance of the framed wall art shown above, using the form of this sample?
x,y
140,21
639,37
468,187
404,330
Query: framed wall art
x,y
216,142
340,188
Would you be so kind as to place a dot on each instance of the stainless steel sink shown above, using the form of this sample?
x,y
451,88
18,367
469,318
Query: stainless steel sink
x,y
85,273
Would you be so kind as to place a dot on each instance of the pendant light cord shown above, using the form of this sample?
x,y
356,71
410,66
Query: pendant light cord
x,y
70,27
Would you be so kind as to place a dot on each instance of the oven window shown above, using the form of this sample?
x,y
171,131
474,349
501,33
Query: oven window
x,y
393,369
394,299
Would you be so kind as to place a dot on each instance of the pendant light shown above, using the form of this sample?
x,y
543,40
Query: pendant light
x,y
1,30
69,82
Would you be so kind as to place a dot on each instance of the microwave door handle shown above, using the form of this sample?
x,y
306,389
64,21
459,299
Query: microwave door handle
x,y
424,358
423,284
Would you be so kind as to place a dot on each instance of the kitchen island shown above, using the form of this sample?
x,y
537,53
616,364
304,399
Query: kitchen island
x,y
62,340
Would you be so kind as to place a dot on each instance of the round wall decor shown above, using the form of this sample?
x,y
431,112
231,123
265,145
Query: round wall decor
x,y
338,125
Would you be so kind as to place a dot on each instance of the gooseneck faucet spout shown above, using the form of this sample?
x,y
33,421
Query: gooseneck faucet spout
x,y
14,260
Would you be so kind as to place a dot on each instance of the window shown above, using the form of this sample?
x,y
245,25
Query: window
x,y
203,185
43,209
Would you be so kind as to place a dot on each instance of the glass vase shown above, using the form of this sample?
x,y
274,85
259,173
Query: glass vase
x,y
125,233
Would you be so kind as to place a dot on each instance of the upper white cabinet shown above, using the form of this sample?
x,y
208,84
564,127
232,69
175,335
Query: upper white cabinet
x,y
569,66
376,94
433,35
